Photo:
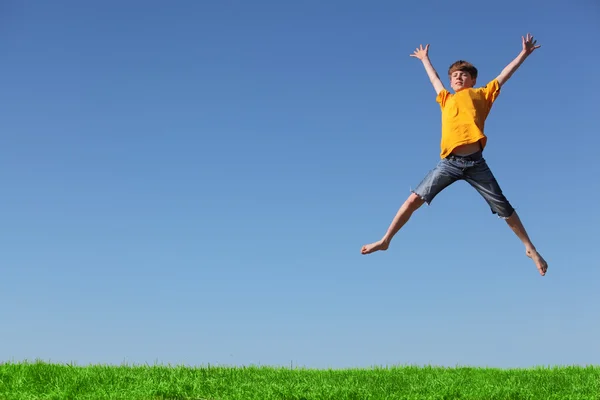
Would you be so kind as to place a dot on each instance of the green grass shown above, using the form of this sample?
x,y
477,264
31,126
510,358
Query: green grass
x,y
42,380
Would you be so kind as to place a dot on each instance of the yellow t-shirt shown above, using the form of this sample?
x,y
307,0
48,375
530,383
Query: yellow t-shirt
x,y
464,114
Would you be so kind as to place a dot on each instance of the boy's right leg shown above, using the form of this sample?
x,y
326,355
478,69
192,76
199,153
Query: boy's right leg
x,y
442,176
402,216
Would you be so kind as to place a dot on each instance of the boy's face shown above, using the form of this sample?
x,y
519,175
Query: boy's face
x,y
461,80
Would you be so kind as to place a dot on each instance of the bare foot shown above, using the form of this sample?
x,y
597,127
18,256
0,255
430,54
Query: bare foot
x,y
539,261
373,247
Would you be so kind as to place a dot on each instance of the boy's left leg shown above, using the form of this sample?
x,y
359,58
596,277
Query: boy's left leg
x,y
482,179
517,227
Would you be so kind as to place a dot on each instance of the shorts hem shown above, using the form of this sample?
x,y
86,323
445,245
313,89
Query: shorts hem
x,y
512,212
426,200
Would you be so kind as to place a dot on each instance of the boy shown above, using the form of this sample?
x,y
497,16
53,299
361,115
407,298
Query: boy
x,y
462,144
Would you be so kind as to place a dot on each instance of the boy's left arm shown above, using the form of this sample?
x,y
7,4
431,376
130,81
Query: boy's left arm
x,y
529,45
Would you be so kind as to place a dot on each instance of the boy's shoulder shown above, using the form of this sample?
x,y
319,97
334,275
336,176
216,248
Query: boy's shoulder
x,y
491,88
491,85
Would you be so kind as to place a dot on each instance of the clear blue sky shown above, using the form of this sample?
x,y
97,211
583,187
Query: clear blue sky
x,y
191,183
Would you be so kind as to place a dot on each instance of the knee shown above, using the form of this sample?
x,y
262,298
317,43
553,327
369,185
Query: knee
x,y
413,202
508,215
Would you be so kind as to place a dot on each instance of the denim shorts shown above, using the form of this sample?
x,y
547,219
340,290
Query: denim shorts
x,y
472,169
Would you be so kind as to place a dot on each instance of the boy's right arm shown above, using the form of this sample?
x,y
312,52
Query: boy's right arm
x,y
422,54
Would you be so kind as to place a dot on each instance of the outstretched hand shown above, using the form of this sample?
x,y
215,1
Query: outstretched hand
x,y
529,45
421,52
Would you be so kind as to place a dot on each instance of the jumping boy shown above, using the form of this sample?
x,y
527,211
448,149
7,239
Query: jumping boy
x,y
462,144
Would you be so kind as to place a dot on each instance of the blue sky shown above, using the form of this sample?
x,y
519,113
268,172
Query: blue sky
x,y
192,183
